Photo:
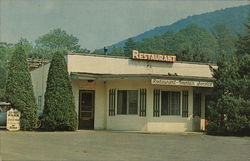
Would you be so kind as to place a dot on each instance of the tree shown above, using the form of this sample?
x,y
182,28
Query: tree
x,y
224,105
243,52
6,50
200,44
85,51
117,51
163,44
5,54
229,113
192,43
226,43
26,45
98,52
19,89
58,39
59,109
129,46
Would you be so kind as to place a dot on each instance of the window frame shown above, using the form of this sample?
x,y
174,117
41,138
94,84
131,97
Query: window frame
x,y
127,102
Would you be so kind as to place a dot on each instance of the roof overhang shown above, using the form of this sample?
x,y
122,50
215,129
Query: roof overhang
x,y
98,76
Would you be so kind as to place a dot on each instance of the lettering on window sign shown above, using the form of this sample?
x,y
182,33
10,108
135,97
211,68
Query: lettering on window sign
x,y
182,83
153,57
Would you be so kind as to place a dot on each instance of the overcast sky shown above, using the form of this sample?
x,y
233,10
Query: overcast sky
x,y
97,23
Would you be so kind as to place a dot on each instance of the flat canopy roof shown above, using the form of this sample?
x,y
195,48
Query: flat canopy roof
x,y
97,76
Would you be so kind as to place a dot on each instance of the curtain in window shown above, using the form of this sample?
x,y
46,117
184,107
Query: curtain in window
x,y
170,103
121,102
175,103
132,102
127,102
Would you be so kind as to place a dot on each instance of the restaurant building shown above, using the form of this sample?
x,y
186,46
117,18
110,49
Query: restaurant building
x,y
147,92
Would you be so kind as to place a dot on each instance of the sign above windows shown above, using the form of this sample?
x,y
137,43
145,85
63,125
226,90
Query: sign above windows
x,y
182,83
153,57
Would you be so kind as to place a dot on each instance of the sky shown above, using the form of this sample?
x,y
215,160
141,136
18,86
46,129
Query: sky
x,y
97,23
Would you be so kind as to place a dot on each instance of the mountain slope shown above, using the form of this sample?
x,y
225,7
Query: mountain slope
x,y
233,18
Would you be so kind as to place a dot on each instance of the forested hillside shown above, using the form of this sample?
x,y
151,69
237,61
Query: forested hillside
x,y
192,43
232,18
200,38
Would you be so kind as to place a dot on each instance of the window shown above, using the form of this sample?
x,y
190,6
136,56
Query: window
x,y
184,103
170,103
197,104
127,102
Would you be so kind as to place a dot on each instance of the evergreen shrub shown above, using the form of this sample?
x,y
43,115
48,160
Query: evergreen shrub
x,y
59,109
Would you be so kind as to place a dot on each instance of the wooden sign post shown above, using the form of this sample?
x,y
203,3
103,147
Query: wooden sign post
x,y
13,120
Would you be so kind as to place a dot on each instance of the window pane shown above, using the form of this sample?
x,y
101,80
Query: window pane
x,y
170,103
197,104
87,99
165,103
185,104
133,101
175,109
122,102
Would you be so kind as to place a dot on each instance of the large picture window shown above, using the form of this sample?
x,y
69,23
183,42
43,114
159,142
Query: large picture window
x,y
127,102
170,103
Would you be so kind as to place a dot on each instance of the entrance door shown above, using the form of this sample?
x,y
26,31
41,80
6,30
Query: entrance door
x,y
86,109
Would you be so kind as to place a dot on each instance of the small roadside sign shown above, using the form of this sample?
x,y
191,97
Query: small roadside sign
x,y
13,120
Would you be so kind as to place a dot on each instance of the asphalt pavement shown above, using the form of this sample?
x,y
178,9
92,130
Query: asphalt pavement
x,y
121,146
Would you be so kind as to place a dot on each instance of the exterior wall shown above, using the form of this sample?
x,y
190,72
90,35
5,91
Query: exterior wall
x,y
126,122
171,123
150,123
111,65
199,122
130,122
75,90
39,79
101,87
100,100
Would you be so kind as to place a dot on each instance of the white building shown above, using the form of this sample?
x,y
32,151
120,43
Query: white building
x,y
138,94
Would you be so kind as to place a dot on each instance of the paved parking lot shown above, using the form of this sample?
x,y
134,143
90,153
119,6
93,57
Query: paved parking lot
x,y
121,146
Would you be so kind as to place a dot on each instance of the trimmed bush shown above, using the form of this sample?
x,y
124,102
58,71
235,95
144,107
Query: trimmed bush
x,y
59,108
19,89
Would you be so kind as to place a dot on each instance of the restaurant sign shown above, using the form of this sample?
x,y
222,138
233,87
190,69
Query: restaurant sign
x,y
153,57
182,83
13,120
